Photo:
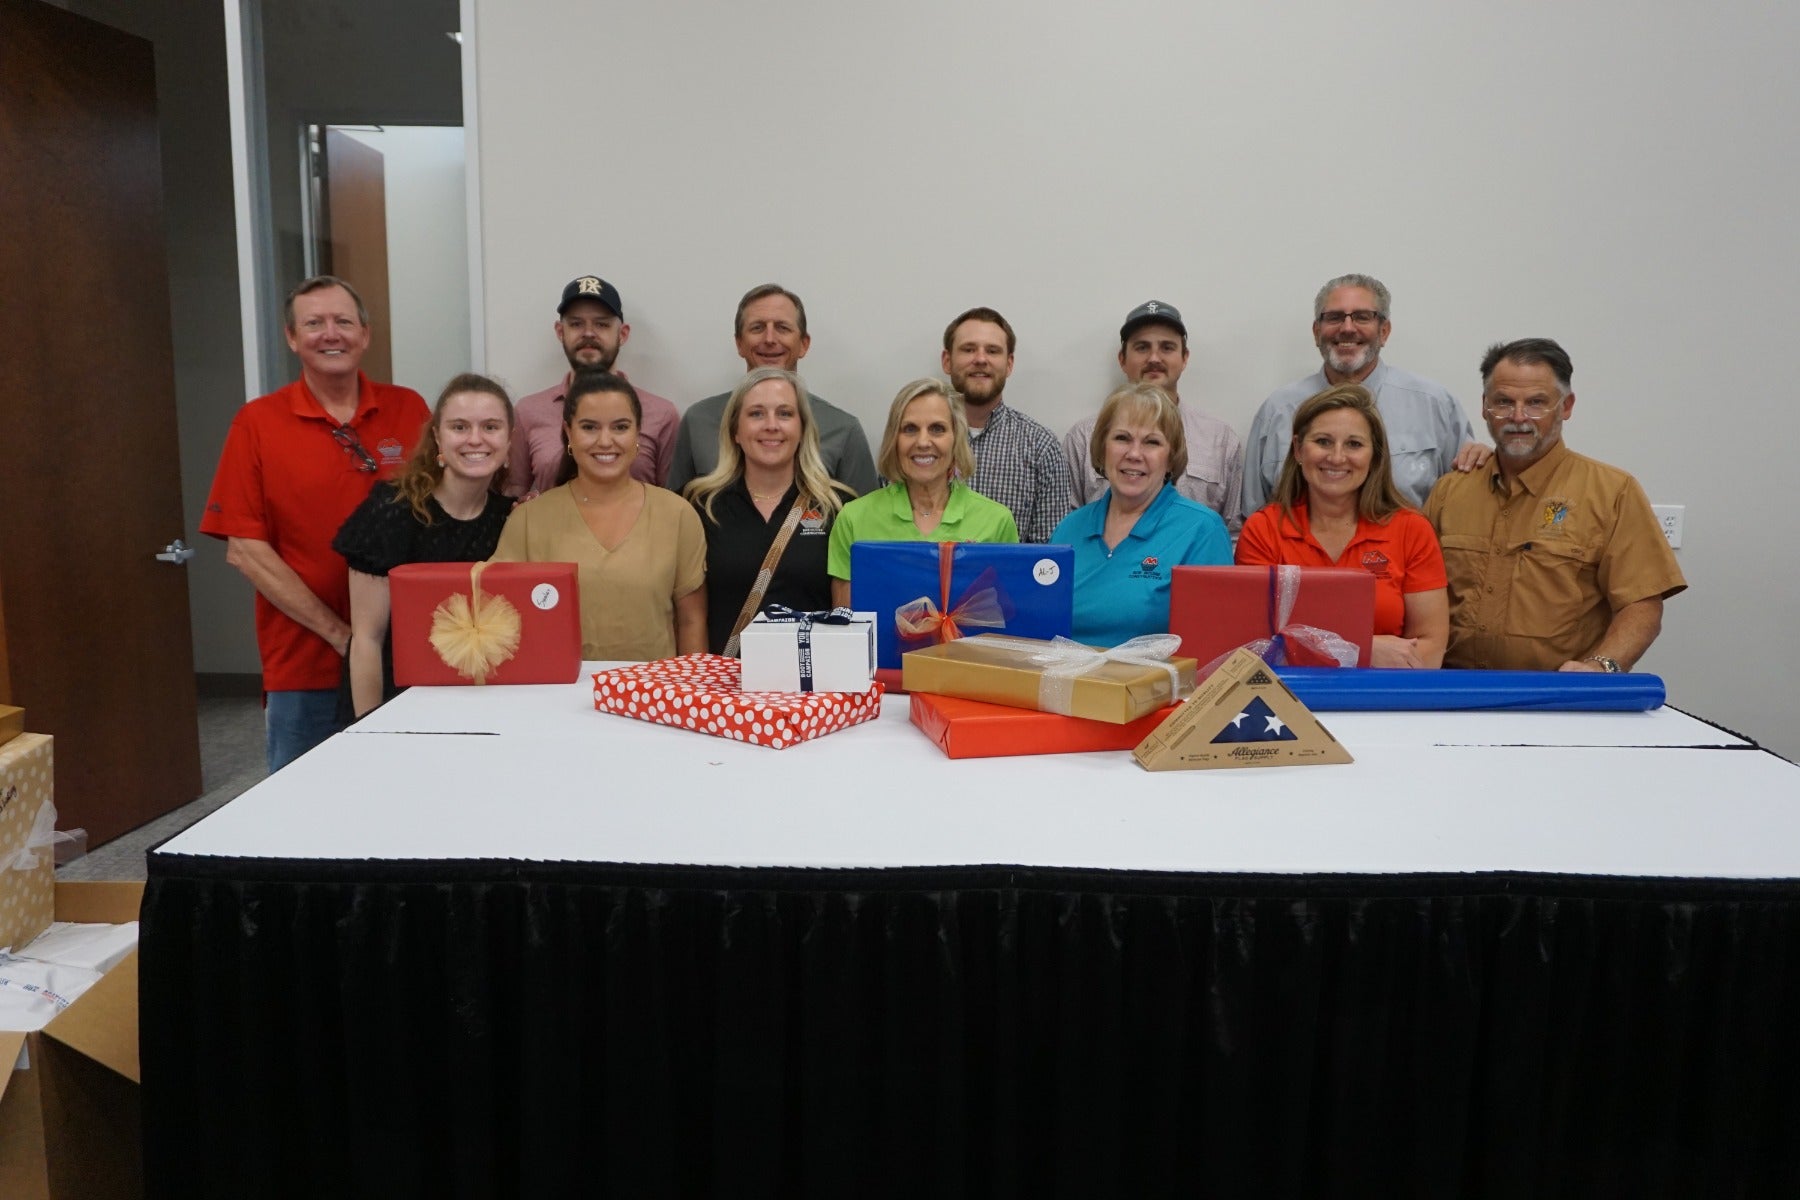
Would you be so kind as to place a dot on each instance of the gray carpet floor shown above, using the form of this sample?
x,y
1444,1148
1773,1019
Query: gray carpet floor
x,y
231,760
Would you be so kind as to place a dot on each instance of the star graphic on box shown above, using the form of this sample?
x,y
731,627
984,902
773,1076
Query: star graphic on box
x,y
1256,722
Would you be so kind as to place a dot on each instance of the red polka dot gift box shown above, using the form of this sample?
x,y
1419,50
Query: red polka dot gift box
x,y
701,692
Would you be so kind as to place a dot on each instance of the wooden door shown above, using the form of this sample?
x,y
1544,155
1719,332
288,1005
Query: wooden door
x,y
97,643
356,237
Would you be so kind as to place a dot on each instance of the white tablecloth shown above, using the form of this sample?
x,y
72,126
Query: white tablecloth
x,y
535,773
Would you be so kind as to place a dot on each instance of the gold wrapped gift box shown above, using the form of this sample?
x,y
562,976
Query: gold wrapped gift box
x,y
1049,676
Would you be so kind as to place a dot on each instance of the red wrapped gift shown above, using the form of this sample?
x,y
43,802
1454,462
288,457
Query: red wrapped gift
x,y
1291,616
975,729
700,692
511,622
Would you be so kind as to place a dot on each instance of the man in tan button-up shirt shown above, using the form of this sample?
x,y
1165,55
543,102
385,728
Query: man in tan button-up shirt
x,y
1555,561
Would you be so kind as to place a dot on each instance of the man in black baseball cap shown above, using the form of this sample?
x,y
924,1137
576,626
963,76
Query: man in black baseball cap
x,y
1153,348
591,329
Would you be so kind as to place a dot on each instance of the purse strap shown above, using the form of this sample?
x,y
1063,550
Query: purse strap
x,y
764,573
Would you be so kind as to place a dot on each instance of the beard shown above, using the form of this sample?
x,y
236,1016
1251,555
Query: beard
x,y
979,391
603,363
1349,357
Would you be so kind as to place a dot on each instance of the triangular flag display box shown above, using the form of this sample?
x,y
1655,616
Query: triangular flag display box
x,y
1242,716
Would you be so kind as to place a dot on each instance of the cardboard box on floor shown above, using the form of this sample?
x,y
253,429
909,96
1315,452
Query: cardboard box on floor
x,y
69,1119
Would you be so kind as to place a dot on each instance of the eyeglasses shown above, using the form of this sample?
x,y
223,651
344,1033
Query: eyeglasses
x,y
1360,316
1533,409
346,437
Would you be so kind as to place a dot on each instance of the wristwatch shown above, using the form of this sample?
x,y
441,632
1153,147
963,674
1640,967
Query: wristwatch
x,y
1609,665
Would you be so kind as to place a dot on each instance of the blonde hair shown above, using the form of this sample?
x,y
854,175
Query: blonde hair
x,y
817,488
962,458
1136,402
1378,498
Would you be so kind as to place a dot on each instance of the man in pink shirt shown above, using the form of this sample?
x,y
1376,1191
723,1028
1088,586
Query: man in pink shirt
x,y
591,328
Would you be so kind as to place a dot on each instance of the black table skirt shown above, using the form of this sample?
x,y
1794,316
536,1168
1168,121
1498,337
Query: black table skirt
x,y
559,1029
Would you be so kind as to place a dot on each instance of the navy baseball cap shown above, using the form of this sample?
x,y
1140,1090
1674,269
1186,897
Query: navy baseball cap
x,y
592,287
1151,312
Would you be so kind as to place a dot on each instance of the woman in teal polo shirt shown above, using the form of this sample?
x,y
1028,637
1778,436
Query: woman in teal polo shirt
x,y
1127,541
925,451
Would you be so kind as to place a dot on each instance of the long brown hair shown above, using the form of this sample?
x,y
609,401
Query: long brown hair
x,y
424,471
592,383
1378,498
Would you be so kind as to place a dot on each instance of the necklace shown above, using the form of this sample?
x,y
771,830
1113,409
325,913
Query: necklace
x,y
764,496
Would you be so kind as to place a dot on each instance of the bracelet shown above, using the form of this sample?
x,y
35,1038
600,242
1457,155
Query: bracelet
x,y
1609,665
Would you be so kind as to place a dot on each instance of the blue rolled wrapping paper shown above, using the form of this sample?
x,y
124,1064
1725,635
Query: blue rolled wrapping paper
x,y
1368,689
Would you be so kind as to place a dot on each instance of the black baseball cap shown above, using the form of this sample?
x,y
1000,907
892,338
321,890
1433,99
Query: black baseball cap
x,y
1151,312
592,287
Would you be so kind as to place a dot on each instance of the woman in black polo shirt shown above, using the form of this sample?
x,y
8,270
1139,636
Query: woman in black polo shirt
x,y
767,508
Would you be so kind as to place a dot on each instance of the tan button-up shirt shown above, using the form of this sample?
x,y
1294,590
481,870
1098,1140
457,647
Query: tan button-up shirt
x,y
1538,567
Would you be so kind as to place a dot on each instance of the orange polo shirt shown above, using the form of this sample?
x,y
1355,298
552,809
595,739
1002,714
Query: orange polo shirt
x,y
1539,566
283,479
1401,553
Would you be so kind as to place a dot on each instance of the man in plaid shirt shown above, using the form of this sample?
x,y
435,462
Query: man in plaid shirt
x,y
1017,461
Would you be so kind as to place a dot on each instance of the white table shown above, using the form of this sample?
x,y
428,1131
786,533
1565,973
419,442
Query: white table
x,y
491,940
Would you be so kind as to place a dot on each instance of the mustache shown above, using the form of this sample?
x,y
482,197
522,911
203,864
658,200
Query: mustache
x,y
1510,428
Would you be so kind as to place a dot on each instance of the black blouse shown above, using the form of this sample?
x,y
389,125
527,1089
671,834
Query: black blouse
x,y
736,542
384,533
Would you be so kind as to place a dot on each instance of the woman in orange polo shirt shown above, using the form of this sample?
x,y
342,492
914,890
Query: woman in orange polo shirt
x,y
1335,505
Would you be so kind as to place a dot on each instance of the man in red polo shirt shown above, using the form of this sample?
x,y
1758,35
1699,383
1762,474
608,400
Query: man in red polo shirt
x,y
295,464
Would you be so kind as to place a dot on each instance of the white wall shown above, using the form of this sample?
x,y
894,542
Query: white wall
x,y
428,273
1616,175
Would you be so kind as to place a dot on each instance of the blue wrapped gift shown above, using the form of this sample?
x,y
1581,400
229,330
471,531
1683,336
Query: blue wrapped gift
x,y
925,593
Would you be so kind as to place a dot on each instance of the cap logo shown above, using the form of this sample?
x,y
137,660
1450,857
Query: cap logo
x,y
587,285
1153,306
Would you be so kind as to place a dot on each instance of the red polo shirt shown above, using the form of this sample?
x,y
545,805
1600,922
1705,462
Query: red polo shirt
x,y
1402,554
285,480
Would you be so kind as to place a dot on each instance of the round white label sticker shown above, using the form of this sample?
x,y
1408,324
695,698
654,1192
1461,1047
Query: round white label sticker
x,y
1046,572
545,595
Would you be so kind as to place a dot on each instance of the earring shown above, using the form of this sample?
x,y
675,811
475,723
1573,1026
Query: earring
x,y
440,460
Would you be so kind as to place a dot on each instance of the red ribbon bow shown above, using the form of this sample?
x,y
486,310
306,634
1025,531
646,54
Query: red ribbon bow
x,y
980,607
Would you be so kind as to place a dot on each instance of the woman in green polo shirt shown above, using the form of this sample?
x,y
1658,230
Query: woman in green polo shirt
x,y
925,451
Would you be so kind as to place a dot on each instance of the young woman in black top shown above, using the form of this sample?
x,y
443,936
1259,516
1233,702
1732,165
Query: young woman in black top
x,y
770,475
446,506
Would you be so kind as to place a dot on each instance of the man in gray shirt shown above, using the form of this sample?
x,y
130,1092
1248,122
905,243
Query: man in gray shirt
x,y
771,332
1153,348
1428,433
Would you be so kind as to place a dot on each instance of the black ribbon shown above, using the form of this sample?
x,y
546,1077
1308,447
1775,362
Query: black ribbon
x,y
782,614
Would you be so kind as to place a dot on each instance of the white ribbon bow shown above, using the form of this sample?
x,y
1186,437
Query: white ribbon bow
x,y
1064,660
43,835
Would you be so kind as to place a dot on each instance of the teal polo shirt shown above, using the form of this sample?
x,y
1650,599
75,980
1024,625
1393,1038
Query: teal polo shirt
x,y
1123,592
886,516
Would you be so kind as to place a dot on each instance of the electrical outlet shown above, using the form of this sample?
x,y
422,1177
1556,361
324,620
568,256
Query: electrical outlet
x,y
1670,516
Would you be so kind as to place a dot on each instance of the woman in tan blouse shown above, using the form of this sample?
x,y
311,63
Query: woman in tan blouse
x,y
639,551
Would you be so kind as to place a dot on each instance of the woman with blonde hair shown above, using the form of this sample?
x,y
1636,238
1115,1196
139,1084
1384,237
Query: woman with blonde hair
x,y
1335,505
925,452
1129,539
767,508
444,506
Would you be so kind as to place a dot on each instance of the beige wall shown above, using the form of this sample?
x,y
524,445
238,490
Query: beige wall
x,y
1600,173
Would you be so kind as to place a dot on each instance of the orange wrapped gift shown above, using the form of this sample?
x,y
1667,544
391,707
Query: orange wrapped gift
x,y
975,729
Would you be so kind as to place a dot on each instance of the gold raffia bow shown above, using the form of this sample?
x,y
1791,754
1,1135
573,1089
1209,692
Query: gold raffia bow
x,y
476,633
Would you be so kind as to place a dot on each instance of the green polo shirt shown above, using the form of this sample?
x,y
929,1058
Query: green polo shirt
x,y
886,516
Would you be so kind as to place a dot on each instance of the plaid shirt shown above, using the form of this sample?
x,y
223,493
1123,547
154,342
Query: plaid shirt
x,y
1019,463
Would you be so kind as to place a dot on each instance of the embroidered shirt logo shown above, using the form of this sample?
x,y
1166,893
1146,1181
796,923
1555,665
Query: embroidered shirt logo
x,y
812,521
1555,513
1149,568
391,450
1376,563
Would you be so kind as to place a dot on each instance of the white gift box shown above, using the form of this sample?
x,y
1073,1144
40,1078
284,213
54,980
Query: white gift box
x,y
843,656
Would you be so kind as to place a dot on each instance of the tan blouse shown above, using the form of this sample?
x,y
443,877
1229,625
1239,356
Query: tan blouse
x,y
627,594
